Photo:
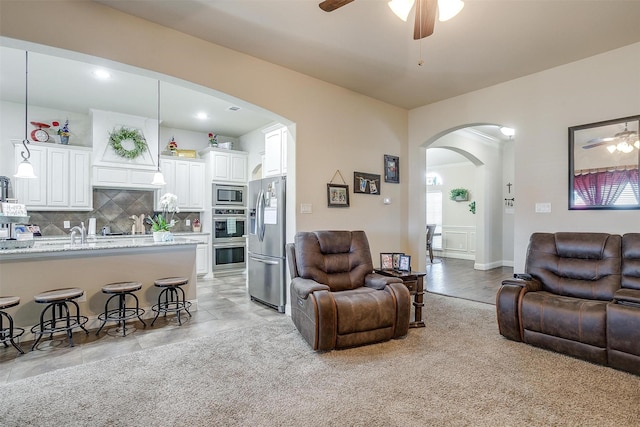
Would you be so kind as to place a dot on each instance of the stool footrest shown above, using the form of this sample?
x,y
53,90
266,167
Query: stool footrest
x,y
48,328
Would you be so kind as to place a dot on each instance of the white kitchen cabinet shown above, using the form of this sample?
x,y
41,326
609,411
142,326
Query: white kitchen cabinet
x,y
202,254
62,181
275,152
226,165
185,179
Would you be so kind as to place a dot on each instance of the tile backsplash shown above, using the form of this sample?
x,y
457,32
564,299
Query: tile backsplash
x,y
111,207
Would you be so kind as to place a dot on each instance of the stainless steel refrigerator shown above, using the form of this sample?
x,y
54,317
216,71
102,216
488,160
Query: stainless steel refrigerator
x,y
266,253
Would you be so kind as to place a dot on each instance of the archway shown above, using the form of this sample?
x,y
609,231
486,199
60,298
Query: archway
x,y
483,163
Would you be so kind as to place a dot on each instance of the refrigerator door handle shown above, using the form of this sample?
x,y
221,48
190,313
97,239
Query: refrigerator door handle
x,y
264,261
260,215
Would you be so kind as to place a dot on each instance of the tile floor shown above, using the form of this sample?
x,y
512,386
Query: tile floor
x,y
223,304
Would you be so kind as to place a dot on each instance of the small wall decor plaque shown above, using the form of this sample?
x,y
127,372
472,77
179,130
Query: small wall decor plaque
x,y
366,183
391,169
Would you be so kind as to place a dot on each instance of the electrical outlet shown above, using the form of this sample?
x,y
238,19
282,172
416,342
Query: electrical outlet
x,y
187,222
67,224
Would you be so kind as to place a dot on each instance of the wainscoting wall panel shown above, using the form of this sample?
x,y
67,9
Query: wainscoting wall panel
x,y
458,242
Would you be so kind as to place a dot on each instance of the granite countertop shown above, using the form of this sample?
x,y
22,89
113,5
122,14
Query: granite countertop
x,y
44,245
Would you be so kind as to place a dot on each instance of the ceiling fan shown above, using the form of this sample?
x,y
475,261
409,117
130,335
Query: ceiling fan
x,y
425,12
624,141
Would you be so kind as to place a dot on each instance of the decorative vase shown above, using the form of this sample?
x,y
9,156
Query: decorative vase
x,y
64,140
162,236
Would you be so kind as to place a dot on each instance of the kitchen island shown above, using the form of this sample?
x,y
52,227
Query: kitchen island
x,y
54,264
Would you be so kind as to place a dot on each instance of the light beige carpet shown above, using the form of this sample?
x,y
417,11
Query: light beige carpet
x,y
456,371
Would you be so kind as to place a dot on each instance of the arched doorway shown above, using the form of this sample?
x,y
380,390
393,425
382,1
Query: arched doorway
x,y
479,230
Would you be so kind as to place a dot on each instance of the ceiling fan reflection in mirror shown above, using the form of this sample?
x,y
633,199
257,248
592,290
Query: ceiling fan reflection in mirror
x,y
625,141
425,12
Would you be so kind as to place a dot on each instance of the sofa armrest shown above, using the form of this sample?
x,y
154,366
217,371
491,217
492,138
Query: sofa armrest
x,y
508,305
627,297
303,287
530,285
378,281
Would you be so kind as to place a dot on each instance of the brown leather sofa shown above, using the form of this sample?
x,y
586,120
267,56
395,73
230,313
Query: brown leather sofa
x,y
336,299
580,296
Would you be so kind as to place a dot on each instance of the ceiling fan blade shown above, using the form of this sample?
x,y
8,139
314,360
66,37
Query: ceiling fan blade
x,y
425,18
331,5
596,142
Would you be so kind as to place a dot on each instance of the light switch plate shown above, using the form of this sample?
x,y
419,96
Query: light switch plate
x,y
305,208
187,222
67,224
543,207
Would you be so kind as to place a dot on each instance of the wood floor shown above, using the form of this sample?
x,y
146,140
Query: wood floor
x,y
457,278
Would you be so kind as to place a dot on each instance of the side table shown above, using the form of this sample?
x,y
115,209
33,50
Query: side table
x,y
414,281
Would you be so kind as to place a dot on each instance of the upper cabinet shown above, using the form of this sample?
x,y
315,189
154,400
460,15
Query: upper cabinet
x,y
62,181
185,179
275,152
226,165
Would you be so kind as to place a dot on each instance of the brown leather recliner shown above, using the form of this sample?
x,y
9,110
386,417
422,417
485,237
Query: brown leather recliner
x,y
336,299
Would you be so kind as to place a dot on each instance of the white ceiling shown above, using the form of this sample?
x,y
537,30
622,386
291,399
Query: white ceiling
x,y
364,47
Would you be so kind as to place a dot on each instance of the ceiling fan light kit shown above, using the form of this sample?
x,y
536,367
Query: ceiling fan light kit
x,y
401,8
425,12
447,9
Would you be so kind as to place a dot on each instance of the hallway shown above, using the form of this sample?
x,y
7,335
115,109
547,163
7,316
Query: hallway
x,y
457,278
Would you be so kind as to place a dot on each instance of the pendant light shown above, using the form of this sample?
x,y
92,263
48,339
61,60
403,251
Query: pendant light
x,y
25,168
158,178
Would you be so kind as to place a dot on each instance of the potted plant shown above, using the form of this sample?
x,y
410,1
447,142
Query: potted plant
x,y
161,224
459,194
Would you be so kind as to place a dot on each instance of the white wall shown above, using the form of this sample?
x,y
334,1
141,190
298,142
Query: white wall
x,y
540,107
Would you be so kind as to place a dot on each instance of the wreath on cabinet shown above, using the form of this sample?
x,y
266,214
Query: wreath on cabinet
x,y
134,142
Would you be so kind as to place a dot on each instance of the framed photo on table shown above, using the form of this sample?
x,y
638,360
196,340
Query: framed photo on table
x,y
386,261
404,263
396,259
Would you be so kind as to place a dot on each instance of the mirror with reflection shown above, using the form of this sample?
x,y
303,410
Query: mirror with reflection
x,y
603,165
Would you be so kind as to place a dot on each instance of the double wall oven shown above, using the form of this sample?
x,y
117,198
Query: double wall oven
x,y
229,227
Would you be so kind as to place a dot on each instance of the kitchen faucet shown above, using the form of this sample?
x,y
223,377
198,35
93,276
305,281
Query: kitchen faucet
x,y
78,229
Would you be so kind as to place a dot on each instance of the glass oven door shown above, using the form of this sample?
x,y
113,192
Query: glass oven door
x,y
228,228
227,256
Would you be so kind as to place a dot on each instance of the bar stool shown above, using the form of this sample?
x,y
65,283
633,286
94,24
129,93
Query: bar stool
x,y
62,321
8,334
172,300
120,290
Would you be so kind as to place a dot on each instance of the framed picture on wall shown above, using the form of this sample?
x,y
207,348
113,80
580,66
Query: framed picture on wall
x,y
391,169
337,196
366,183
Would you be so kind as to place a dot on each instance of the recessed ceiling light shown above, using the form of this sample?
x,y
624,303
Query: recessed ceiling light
x,y
233,108
202,116
102,74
